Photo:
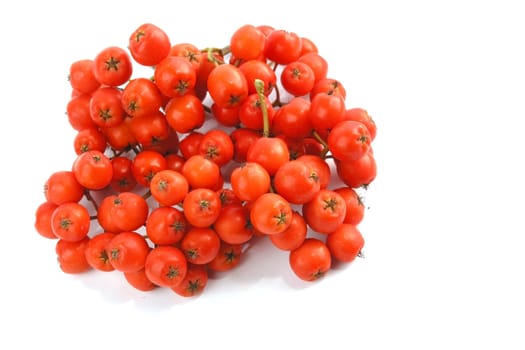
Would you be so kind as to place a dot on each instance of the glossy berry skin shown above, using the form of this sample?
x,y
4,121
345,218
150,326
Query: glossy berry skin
x,y
271,214
70,222
194,282
282,46
128,251
247,43
112,66
149,44
71,256
62,187
311,260
325,212
93,170
270,152
345,243
166,266
175,76
227,86
349,140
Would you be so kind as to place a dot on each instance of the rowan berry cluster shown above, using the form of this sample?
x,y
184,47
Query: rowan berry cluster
x,y
176,174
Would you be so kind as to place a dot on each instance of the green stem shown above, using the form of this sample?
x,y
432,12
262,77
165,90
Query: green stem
x,y
226,50
259,87
222,52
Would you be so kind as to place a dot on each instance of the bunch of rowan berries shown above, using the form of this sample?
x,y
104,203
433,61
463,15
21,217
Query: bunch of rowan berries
x,y
175,175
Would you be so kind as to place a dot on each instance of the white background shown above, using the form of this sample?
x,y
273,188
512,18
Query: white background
x,y
444,266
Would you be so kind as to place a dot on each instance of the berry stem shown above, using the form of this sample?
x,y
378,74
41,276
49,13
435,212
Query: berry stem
x,y
322,142
212,58
136,149
259,87
225,50
277,102
147,194
90,198
116,153
222,52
